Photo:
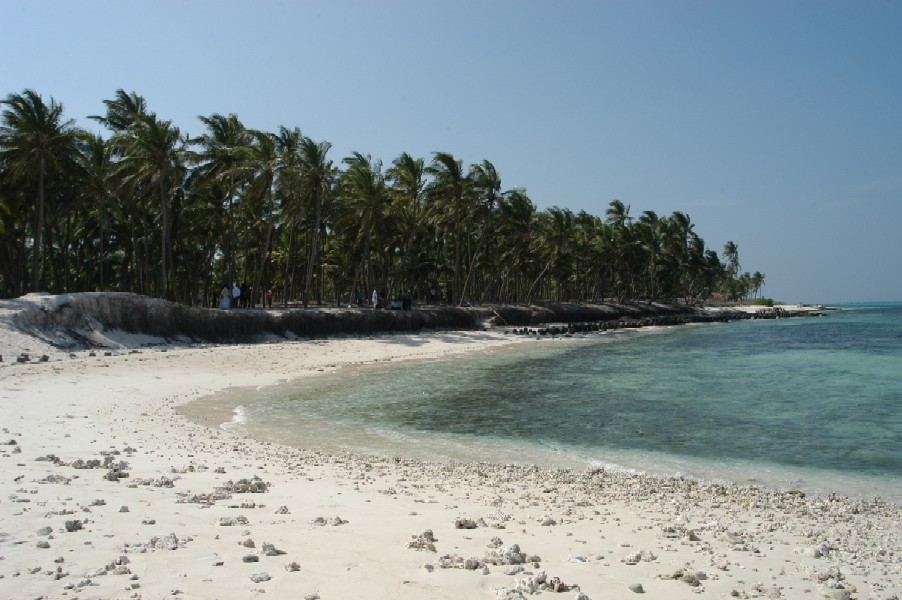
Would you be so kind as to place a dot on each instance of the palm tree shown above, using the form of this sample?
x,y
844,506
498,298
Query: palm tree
x,y
36,140
289,192
98,190
316,174
516,228
679,237
731,255
449,184
122,112
684,226
708,271
757,282
650,236
618,214
364,194
258,169
408,178
556,227
589,255
617,217
486,185
222,148
154,154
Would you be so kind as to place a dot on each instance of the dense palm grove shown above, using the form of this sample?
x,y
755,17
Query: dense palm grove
x,y
149,210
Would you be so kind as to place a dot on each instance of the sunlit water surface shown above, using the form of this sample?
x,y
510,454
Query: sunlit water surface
x,y
811,403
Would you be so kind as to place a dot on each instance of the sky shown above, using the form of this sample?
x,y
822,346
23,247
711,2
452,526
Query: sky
x,y
775,124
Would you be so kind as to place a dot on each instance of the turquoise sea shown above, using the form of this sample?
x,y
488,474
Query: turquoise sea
x,y
810,403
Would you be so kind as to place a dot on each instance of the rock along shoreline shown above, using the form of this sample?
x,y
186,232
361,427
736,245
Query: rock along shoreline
x,y
78,321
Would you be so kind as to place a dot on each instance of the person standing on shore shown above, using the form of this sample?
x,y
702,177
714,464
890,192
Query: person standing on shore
x,y
225,298
236,296
243,295
375,299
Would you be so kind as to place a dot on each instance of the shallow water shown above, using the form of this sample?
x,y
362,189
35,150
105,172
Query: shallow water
x,y
811,403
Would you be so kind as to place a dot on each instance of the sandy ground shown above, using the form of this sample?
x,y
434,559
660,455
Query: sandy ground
x,y
106,491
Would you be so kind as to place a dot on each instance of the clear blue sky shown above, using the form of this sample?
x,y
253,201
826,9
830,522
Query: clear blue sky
x,y
774,124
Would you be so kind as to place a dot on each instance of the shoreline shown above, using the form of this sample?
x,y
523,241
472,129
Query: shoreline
x,y
357,526
432,446
108,492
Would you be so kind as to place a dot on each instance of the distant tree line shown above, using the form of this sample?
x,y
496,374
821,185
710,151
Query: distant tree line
x,y
150,210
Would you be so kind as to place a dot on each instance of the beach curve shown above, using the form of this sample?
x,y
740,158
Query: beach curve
x,y
176,506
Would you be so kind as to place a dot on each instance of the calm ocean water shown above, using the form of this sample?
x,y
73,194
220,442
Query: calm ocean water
x,y
811,403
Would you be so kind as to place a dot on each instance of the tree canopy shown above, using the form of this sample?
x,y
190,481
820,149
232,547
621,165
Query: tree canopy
x,y
151,211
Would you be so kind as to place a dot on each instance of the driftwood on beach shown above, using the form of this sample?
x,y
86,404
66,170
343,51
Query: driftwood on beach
x,y
73,318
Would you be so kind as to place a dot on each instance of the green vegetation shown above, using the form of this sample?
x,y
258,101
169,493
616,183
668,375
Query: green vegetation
x,y
151,211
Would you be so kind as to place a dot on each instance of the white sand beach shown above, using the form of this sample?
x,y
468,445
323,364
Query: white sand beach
x,y
108,492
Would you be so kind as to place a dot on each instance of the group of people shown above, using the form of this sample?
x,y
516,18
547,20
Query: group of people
x,y
241,296
404,303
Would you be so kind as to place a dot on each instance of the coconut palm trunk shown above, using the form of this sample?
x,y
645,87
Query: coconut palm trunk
x,y
264,252
164,240
317,200
38,228
316,173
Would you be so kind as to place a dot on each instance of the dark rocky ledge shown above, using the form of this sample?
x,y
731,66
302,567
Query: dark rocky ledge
x,y
68,321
